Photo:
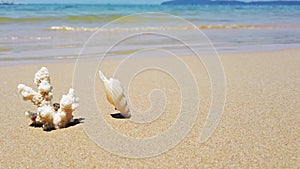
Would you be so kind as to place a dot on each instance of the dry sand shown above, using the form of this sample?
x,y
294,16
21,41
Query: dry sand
x,y
259,127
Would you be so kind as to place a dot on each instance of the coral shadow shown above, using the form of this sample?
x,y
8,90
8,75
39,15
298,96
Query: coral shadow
x,y
40,125
117,116
75,122
36,125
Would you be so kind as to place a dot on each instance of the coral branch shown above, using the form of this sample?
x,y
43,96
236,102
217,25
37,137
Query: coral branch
x,y
68,104
29,94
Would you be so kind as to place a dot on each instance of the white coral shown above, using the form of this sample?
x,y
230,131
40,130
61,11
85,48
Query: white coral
x,y
46,114
68,104
45,87
27,92
42,74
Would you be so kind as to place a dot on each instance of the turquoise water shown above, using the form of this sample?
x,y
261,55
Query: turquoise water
x,y
58,31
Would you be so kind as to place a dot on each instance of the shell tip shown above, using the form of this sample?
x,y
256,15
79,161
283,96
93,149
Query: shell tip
x,y
102,77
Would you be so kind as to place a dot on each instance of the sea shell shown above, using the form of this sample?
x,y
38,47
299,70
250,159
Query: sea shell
x,y
115,95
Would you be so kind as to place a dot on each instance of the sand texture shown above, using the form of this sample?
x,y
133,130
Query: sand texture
x,y
258,129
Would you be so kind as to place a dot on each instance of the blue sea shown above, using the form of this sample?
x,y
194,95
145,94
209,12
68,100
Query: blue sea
x,y
53,32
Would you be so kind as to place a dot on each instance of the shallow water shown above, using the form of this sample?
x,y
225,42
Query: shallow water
x,y
43,32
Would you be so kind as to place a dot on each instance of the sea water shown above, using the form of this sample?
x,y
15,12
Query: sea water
x,y
50,32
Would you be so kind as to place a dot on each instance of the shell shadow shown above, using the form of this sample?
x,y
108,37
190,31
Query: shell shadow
x,y
117,116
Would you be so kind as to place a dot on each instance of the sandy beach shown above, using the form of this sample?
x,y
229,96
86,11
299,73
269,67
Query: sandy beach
x,y
258,129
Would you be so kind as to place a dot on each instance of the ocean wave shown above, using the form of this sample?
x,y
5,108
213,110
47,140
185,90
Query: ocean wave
x,y
39,38
72,29
126,29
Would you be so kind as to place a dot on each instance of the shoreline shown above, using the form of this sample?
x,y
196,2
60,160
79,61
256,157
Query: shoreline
x,y
74,59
